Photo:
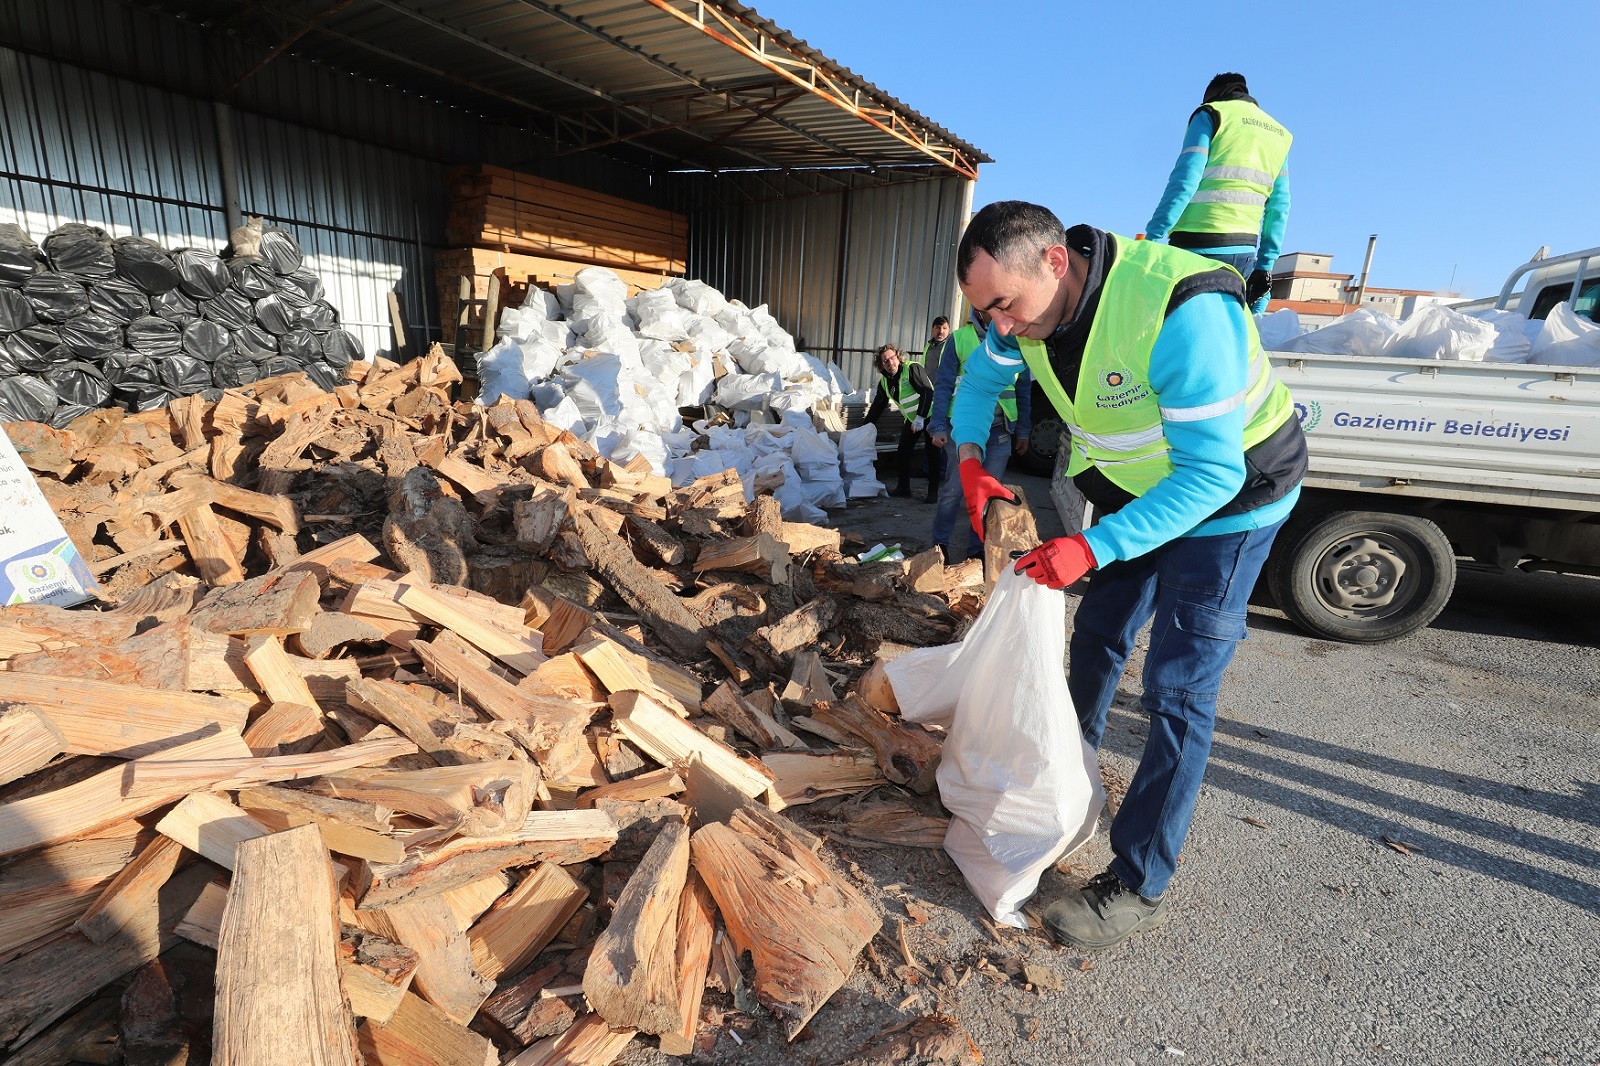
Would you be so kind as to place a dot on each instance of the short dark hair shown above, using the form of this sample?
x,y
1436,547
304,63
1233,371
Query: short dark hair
x,y
940,321
1222,85
1014,233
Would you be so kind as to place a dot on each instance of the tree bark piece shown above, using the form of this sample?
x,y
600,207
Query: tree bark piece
x,y
158,776
661,611
105,718
590,1042
762,555
278,993
132,891
908,753
656,542
444,976
99,800
562,837
419,1034
671,741
518,1014
538,519
1007,527
271,603
523,923
332,629
631,979
727,705
697,919
803,924
28,741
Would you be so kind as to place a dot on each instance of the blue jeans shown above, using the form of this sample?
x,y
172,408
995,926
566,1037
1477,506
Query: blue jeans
x,y
1244,263
952,505
1196,589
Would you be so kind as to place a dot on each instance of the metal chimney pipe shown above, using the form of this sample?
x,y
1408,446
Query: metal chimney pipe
x,y
1366,268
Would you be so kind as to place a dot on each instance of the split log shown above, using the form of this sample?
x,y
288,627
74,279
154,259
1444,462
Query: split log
x,y
766,516
727,705
132,891
444,975
803,924
807,778
375,973
28,741
520,651
564,624
99,800
202,922
656,784
49,981
284,724
621,670
469,901
158,775
926,572
523,923
422,722
663,612
656,542
561,837
349,827
105,718
89,1034
555,464
590,1042
277,677
697,920
208,546
41,893
519,1014
333,629
538,519
809,683
1007,527
894,822
474,799
761,555
672,742
566,675
419,1034
272,603
875,690
278,993
802,628
631,978
276,511
803,537
908,753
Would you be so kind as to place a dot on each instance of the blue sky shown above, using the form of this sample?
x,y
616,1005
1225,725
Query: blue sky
x,y
1465,135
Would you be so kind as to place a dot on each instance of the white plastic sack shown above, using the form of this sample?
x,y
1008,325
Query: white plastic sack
x,y
1511,335
1023,786
1360,332
1566,340
1278,329
500,373
858,452
1440,333
747,392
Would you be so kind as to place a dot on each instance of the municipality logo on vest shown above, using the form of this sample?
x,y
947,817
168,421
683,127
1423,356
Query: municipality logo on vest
x,y
1119,388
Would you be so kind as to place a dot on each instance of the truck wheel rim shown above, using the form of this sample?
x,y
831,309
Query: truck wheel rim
x,y
1368,576
1045,438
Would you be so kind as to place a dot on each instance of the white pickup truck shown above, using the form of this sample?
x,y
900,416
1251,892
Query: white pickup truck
x,y
1416,463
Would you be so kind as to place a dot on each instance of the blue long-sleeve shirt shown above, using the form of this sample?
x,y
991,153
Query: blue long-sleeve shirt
x,y
944,389
1185,179
1199,359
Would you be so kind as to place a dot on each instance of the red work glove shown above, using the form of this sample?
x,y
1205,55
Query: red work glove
x,y
1058,562
979,488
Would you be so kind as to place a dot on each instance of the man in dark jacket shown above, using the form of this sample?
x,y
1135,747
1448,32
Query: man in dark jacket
x,y
906,383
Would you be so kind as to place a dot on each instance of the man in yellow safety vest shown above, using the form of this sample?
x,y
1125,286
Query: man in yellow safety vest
x,y
1188,448
904,382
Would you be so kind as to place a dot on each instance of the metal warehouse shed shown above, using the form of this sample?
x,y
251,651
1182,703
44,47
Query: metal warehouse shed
x,y
805,186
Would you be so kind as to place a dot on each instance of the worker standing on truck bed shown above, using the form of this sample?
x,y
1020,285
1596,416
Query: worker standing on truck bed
x,y
1188,447
1228,196
906,383
1007,433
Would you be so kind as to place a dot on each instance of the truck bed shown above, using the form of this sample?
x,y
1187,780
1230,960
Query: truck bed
x,y
1505,433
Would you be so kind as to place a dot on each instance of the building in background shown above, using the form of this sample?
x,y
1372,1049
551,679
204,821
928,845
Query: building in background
x,y
1305,283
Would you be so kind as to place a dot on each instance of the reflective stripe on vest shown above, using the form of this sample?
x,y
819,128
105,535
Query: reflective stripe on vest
x,y
967,342
1247,154
1117,421
906,399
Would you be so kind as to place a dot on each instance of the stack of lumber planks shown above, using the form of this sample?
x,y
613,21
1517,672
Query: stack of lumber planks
x,y
492,207
416,732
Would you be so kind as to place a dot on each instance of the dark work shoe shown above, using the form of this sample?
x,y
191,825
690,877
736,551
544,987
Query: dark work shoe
x,y
901,490
1102,913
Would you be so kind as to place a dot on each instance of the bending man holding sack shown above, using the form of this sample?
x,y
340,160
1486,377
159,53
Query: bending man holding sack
x,y
1188,447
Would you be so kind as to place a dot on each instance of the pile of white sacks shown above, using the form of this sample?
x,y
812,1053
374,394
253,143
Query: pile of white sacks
x,y
615,370
1562,339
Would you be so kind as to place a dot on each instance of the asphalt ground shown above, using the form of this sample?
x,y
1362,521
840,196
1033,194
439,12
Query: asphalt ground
x,y
1395,858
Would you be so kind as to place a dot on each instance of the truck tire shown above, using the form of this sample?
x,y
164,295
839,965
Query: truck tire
x,y
1361,576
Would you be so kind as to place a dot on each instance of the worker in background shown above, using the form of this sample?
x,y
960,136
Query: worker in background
x,y
1008,432
1228,196
906,383
938,346
1188,447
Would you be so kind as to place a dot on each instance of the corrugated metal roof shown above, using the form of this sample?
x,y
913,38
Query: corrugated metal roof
x,y
670,84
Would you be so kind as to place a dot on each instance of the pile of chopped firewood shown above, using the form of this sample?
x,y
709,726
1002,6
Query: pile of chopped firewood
x,y
434,730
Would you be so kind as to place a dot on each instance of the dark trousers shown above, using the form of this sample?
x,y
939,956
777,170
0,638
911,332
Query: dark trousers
x,y
906,453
